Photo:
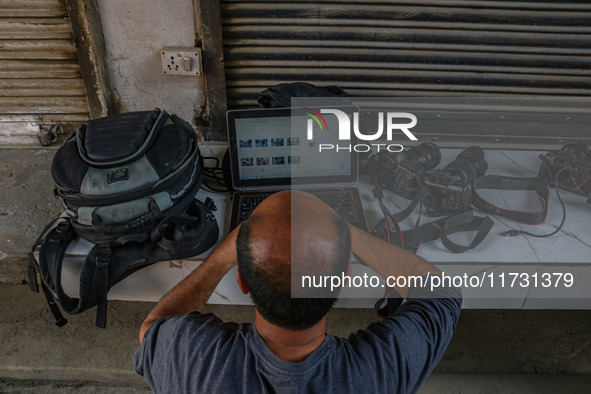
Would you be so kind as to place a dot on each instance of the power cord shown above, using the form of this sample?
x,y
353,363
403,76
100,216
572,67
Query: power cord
x,y
214,173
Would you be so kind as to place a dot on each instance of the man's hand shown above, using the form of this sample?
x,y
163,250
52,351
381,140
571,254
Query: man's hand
x,y
387,259
192,293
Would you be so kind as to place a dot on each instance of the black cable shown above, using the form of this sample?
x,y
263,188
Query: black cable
x,y
573,180
418,222
217,161
216,173
209,188
512,233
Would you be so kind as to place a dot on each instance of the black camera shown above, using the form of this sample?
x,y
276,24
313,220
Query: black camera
x,y
570,168
400,172
450,188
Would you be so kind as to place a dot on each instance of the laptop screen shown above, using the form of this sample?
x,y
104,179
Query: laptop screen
x,y
271,147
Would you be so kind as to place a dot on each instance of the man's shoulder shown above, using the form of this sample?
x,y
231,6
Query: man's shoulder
x,y
199,323
200,330
180,336
185,348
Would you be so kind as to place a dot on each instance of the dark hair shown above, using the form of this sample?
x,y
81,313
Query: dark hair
x,y
276,305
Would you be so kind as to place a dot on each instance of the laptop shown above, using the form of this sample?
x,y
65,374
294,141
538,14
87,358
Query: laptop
x,y
278,149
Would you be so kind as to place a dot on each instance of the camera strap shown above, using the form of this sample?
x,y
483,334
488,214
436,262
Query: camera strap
x,y
497,182
444,227
400,216
438,229
410,240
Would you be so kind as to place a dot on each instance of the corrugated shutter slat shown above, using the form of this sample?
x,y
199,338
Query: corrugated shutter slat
x,y
40,80
380,47
405,48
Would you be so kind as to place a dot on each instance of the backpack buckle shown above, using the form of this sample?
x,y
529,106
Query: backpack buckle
x,y
63,227
57,237
209,204
103,258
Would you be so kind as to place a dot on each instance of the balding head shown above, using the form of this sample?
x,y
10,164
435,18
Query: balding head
x,y
291,234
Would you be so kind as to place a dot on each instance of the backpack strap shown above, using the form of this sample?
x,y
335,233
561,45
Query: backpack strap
x,y
187,233
32,269
51,253
102,260
60,320
52,249
181,236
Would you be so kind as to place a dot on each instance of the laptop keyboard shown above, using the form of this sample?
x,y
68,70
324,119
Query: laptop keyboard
x,y
342,201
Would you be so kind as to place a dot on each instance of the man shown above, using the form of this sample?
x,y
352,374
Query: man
x,y
287,349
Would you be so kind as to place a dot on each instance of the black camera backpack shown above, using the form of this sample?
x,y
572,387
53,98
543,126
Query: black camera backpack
x,y
128,184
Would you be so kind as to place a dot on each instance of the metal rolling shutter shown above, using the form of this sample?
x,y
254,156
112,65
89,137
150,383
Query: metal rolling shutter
x,y
406,48
40,80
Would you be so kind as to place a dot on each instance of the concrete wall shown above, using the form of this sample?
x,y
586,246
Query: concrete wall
x,y
135,31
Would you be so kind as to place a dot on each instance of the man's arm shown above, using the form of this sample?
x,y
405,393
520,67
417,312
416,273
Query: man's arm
x,y
388,260
423,326
192,293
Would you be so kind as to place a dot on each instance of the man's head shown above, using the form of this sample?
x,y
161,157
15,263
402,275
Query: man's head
x,y
291,231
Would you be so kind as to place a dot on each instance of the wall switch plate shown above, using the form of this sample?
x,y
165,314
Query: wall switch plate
x,y
181,61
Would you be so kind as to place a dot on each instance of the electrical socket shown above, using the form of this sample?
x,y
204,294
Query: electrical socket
x,y
181,61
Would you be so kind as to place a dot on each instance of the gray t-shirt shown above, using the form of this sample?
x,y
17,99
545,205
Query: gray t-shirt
x,y
200,353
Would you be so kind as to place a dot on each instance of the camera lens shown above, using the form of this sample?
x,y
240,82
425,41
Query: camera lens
x,y
469,164
426,155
